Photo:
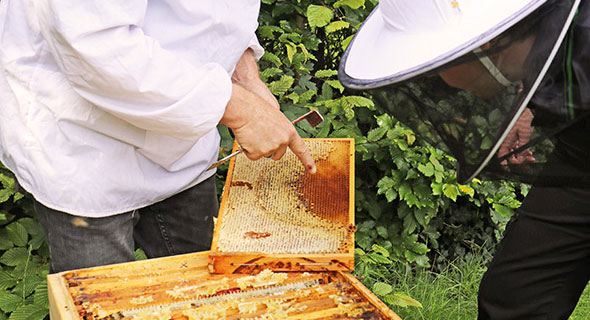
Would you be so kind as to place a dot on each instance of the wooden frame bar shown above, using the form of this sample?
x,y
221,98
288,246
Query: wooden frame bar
x,y
247,262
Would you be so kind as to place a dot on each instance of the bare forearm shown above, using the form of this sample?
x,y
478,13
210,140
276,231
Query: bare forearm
x,y
247,75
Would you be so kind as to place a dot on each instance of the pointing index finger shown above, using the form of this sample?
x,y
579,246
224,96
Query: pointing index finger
x,y
300,150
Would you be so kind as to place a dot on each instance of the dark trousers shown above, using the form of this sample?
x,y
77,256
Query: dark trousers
x,y
180,224
542,265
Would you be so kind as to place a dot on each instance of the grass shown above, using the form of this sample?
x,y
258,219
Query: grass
x,y
449,294
452,293
582,311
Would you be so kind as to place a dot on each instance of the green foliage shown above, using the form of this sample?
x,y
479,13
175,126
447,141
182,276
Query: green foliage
x,y
372,267
407,190
24,256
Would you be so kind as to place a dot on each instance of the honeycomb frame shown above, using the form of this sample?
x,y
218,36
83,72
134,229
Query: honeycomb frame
x,y
180,287
273,215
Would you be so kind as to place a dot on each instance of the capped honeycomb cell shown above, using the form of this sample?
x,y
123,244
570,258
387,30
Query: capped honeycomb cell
x,y
276,207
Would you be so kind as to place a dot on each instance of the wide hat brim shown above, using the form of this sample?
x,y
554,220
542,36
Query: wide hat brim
x,y
379,54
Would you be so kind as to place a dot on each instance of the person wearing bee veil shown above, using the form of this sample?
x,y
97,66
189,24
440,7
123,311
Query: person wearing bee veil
x,y
502,86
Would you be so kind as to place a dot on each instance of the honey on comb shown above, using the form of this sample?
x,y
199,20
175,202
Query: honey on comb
x,y
276,207
194,294
327,191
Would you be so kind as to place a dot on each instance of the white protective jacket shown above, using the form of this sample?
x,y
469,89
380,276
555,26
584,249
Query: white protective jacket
x,y
110,105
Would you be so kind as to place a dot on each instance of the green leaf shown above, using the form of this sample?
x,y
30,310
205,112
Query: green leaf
x,y
384,120
14,256
353,4
502,210
410,138
269,72
37,241
304,97
9,302
467,190
271,57
379,249
376,134
139,254
280,8
404,191
382,288
420,248
346,42
403,211
410,256
390,195
359,101
17,234
306,83
5,243
438,176
486,143
28,285
366,225
410,223
268,31
7,280
293,97
327,93
451,191
318,16
5,194
281,86
30,268
379,258
291,49
436,188
290,37
382,231
411,174
401,300
336,25
29,312
324,131
41,296
426,169
336,85
326,73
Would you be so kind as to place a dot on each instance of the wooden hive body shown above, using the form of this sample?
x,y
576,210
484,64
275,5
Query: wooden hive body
x,y
274,215
181,288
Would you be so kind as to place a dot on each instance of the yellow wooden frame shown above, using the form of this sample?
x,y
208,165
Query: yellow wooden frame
x,y
252,262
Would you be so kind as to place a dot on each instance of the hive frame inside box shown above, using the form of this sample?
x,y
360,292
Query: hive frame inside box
x,y
75,293
252,262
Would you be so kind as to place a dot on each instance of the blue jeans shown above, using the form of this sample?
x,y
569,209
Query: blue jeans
x,y
180,224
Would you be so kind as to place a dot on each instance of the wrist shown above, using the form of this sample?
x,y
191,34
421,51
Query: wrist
x,y
239,105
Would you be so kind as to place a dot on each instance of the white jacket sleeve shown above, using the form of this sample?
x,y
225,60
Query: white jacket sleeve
x,y
101,48
256,47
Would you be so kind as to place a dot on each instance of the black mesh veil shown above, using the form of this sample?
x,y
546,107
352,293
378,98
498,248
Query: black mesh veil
x,y
532,128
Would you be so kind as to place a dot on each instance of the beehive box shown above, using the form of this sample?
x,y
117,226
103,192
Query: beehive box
x,y
273,215
180,287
